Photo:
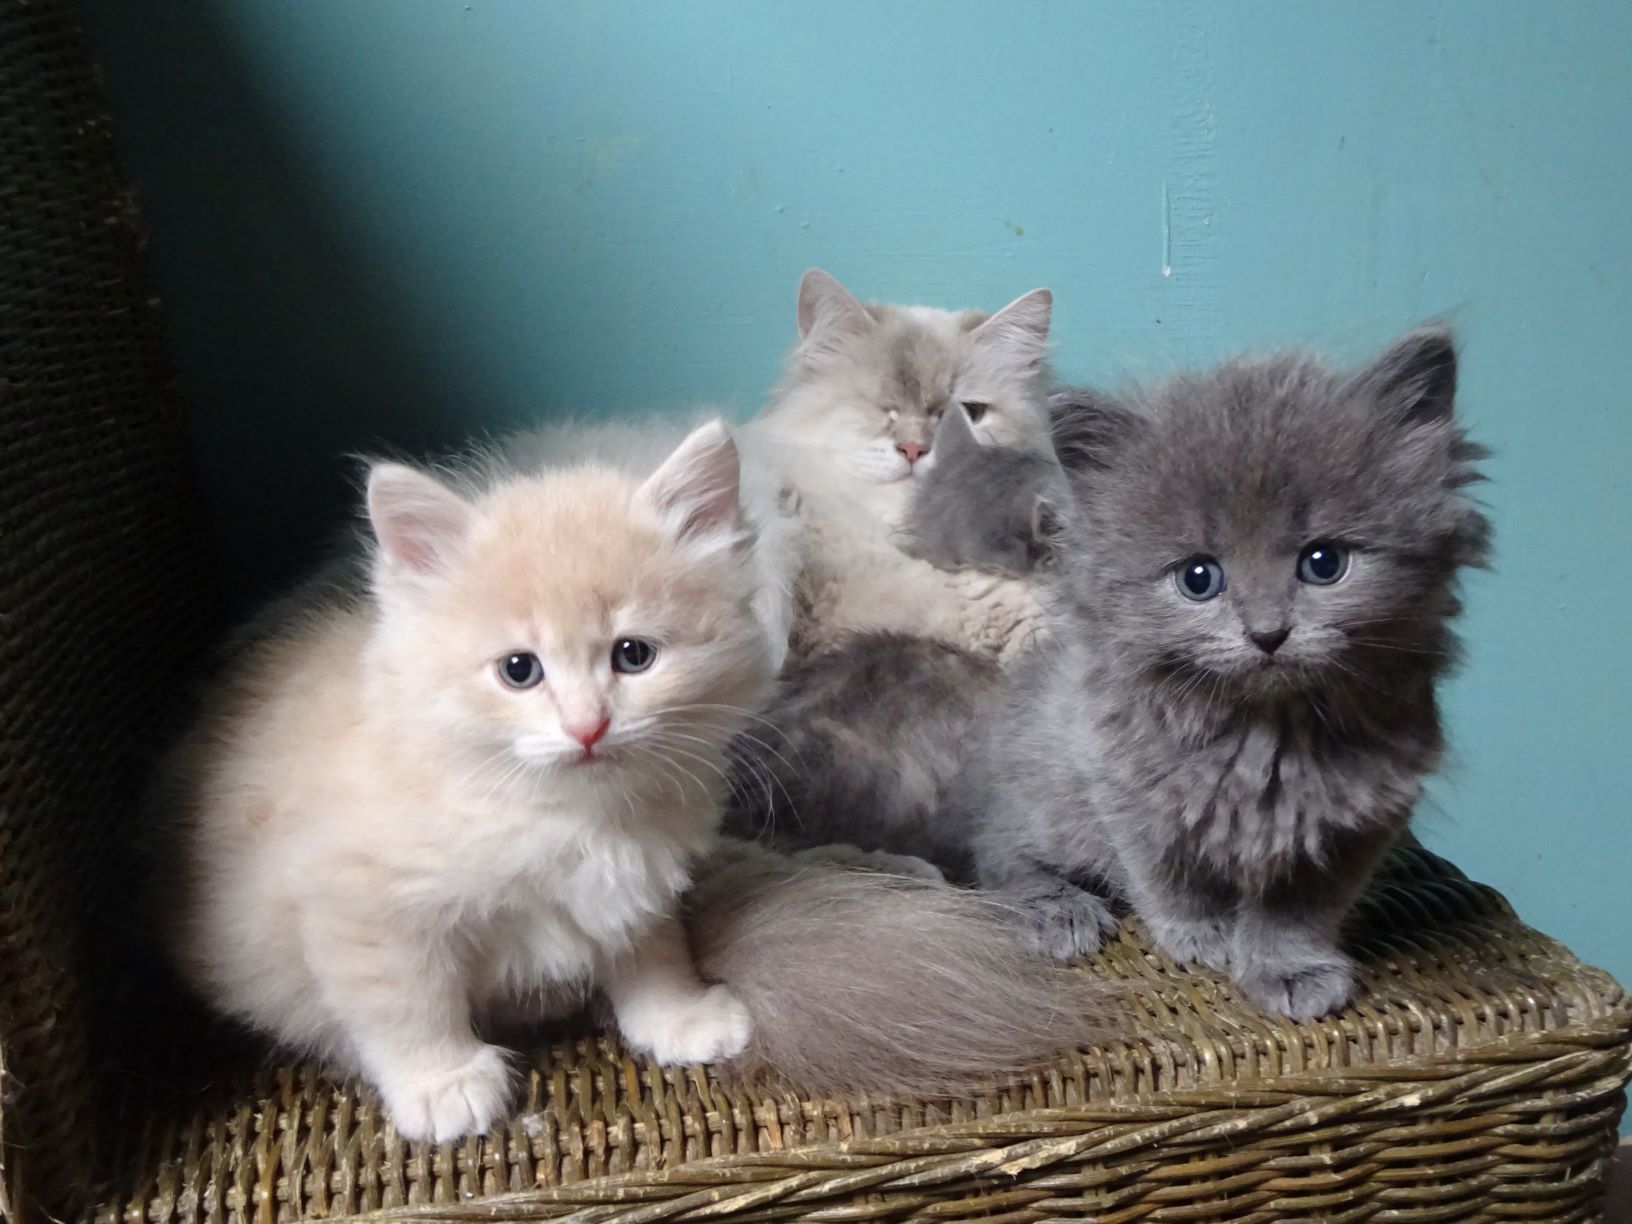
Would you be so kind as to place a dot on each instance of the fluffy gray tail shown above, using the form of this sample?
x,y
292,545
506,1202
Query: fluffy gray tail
x,y
864,982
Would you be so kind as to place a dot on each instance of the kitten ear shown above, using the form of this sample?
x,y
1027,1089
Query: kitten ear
x,y
827,306
1019,332
697,487
419,522
1045,520
1415,378
1090,430
1047,528
955,435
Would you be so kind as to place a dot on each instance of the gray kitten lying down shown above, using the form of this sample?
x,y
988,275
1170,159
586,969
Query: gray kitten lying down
x,y
1236,710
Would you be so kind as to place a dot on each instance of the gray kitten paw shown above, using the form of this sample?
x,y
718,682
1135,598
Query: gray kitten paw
x,y
1299,990
1203,942
1068,922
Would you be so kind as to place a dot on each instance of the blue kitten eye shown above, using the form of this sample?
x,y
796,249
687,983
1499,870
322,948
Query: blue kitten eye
x,y
633,655
1323,563
521,671
1200,578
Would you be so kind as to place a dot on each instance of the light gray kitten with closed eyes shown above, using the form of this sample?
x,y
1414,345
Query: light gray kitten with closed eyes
x,y
1237,710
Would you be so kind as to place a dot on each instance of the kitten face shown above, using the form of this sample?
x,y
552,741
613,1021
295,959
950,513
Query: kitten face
x,y
868,384
580,625
1274,527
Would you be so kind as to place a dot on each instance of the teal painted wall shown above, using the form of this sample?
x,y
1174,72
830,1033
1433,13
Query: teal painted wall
x,y
404,220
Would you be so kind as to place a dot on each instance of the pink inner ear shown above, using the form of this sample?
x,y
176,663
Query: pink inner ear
x,y
417,520
412,540
698,484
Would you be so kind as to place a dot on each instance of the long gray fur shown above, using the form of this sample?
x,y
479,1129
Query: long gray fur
x,y
861,745
955,1001
1238,799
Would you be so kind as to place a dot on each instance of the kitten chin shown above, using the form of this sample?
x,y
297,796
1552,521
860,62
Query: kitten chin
x,y
1239,711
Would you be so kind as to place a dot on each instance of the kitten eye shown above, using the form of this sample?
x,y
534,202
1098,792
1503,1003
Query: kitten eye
x,y
976,409
633,655
1200,578
521,671
1323,563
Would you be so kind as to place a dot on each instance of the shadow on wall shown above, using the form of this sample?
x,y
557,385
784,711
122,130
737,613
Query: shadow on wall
x,y
315,350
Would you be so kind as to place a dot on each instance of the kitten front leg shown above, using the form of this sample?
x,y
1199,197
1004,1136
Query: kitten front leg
x,y
1287,956
1059,918
1290,963
1190,914
664,1008
1001,616
403,1007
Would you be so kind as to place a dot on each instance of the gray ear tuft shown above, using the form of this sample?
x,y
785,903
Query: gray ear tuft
x,y
1090,429
1415,377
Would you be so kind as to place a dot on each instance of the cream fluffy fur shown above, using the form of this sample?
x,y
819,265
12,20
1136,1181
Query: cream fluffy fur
x,y
383,842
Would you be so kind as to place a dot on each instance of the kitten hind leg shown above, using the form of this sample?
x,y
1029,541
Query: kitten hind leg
x,y
664,1008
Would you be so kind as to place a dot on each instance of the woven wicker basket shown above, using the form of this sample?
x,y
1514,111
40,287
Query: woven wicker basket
x,y
1480,1078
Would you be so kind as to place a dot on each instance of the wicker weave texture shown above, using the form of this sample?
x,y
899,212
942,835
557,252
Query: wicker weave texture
x,y
98,588
1481,1078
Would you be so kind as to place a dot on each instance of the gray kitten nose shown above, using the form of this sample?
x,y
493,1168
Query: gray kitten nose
x,y
1269,640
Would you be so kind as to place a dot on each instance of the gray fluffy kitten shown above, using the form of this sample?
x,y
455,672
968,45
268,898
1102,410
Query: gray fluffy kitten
x,y
1237,712
993,508
864,739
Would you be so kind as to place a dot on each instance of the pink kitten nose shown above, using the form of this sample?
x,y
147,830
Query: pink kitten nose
x,y
588,734
912,450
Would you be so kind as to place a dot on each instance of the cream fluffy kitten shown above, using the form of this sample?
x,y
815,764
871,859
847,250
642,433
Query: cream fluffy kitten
x,y
480,788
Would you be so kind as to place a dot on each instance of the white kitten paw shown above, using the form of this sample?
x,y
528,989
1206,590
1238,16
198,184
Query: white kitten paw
x,y
449,1102
704,1027
1203,942
1299,989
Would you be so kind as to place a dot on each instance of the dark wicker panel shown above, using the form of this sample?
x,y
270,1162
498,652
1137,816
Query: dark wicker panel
x,y
100,594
